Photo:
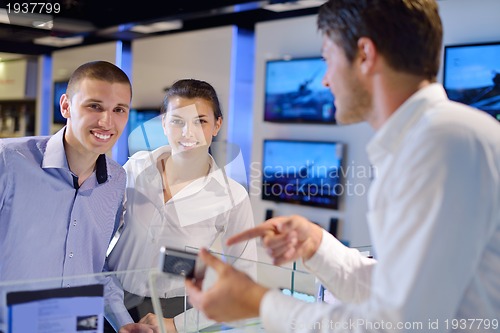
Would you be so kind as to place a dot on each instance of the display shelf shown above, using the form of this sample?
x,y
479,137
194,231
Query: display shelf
x,y
17,118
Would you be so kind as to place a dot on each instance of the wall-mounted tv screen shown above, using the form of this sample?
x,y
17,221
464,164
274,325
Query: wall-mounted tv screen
x,y
302,172
145,131
294,92
138,117
471,75
59,89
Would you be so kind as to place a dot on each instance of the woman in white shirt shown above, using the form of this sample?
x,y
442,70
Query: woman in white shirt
x,y
178,197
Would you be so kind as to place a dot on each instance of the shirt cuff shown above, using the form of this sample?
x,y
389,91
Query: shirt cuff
x,y
118,318
273,320
330,253
324,249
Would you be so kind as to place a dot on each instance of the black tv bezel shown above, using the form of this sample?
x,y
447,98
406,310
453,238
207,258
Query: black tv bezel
x,y
455,46
336,204
297,120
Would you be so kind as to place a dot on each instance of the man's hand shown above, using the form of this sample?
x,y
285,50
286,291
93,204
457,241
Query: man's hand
x,y
139,328
286,238
234,295
152,319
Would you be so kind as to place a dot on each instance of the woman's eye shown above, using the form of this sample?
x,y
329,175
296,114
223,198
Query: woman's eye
x,y
177,122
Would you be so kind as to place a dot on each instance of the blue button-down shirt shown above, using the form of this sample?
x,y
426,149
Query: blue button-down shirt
x,y
47,227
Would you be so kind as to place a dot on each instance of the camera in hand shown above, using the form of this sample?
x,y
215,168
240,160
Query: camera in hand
x,y
182,263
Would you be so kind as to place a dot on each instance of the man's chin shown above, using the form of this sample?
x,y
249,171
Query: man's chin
x,y
103,150
346,120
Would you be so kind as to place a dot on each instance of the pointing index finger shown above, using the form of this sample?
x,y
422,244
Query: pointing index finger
x,y
259,231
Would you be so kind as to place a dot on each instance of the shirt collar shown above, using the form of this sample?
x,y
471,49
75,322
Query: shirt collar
x,y
215,173
216,177
55,157
101,169
388,138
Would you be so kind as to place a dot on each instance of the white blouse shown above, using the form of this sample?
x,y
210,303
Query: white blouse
x,y
193,218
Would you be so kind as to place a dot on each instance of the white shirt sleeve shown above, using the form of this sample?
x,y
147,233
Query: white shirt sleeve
x,y
342,270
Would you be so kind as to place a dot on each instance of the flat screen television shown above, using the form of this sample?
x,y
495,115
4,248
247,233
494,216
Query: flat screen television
x,y
145,131
471,75
294,92
137,117
302,172
59,89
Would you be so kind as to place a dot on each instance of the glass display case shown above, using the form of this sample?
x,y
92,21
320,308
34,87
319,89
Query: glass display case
x,y
78,303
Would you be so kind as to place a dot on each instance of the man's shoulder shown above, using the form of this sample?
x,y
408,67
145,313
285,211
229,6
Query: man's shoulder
x,y
456,120
25,145
114,168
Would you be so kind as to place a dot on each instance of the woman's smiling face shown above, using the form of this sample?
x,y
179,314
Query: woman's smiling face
x,y
190,123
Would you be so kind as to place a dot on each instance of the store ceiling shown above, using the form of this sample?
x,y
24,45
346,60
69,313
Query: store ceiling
x,y
87,22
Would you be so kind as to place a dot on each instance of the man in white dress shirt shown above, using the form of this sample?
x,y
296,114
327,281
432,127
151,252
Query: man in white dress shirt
x,y
434,206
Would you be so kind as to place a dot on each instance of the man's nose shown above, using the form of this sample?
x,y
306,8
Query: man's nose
x,y
106,119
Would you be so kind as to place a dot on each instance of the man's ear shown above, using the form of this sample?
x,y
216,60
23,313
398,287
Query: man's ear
x,y
367,54
65,103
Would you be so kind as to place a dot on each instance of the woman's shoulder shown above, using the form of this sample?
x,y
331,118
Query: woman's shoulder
x,y
145,158
238,190
140,155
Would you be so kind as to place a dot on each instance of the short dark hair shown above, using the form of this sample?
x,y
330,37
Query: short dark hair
x,y
97,70
408,33
192,88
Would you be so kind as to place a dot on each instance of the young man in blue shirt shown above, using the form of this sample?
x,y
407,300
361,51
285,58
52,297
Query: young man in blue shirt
x,y
60,196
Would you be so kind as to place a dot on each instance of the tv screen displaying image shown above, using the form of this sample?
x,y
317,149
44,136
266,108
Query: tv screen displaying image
x,y
472,75
302,172
138,117
294,92
145,131
59,89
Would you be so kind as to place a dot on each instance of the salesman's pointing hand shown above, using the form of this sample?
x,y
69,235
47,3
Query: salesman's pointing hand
x,y
286,238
